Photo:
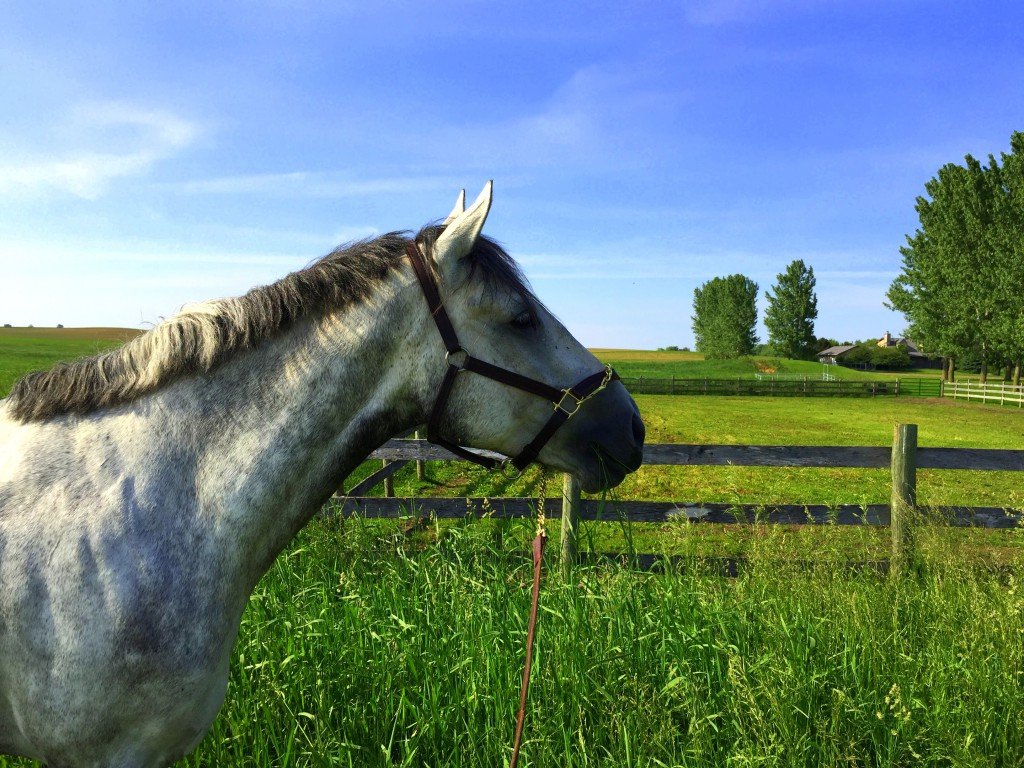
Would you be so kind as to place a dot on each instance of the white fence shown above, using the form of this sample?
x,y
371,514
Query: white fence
x,y
998,392
825,376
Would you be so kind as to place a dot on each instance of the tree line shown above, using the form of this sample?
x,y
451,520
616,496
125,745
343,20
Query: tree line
x,y
725,315
961,286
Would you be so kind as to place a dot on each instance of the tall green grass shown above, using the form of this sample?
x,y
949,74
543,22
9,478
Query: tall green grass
x,y
365,647
362,648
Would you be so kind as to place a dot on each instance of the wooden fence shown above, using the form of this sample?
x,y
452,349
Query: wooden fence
x,y
800,387
902,458
1000,392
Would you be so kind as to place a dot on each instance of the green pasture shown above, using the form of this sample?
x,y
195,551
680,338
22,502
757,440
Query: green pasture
x,y
692,365
363,647
31,349
391,643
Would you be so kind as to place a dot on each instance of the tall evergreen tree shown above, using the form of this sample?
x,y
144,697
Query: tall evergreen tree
x,y
791,312
724,316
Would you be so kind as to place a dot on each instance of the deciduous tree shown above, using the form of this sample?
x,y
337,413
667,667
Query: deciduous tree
x,y
791,312
963,269
724,316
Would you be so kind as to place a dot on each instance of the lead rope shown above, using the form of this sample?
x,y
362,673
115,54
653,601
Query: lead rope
x,y
538,555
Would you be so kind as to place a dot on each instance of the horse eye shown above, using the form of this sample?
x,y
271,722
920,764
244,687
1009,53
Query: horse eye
x,y
523,320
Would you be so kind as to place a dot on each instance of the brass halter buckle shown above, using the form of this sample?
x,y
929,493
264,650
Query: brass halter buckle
x,y
574,406
576,403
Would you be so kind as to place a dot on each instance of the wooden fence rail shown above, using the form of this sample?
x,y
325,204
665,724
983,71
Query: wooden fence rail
x,y
903,459
681,454
999,392
665,385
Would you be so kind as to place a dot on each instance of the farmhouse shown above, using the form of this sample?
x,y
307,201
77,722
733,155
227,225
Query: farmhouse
x,y
834,355
918,359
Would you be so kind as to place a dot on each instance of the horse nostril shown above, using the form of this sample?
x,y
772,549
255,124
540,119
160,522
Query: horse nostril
x,y
639,430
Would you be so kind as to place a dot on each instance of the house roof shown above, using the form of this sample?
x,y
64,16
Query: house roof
x,y
836,351
900,342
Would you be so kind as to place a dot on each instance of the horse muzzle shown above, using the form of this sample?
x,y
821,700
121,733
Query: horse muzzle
x,y
603,444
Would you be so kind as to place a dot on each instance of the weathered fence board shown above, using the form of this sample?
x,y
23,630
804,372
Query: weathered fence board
x,y
368,484
970,458
417,450
643,385
767,455
682,454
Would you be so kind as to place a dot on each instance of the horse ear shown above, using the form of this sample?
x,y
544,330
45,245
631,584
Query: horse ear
x,y
460,235
460,206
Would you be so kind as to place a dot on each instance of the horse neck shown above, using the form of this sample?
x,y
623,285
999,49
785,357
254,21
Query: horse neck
x,y
275,431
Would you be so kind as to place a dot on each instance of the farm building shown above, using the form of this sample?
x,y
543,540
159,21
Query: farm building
x,y
834,355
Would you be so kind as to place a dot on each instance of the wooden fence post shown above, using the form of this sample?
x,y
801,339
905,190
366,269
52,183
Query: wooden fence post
x,y
421,474
570,513
904,494
389,484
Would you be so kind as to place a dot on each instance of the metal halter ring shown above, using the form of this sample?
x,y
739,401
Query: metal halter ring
x,y
457,365
509,470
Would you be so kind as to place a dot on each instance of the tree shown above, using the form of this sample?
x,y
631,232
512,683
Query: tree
x,y
963,273
724,316
791,312
1009,245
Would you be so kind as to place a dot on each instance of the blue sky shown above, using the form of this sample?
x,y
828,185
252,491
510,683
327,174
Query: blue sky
x,y
154,154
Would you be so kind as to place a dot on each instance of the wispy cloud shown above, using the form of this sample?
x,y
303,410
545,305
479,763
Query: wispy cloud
x,y
590,120
127,140
311,184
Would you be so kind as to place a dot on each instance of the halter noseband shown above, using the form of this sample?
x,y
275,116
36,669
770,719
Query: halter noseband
x,y
566,402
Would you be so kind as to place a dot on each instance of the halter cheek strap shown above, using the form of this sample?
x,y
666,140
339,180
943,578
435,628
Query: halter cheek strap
x,y
566,402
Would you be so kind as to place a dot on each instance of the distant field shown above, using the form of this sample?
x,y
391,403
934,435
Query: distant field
x,y
32,349
647,356
27,349
119,335
692,365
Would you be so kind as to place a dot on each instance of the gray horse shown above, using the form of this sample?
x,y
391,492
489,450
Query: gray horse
x,y
145,491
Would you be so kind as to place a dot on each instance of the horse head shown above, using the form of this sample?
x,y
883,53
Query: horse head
x,y
506,375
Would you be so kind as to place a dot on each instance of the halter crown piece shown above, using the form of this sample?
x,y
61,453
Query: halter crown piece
x,y
566,402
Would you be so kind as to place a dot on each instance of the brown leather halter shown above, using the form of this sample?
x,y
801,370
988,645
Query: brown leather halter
x,y
566,402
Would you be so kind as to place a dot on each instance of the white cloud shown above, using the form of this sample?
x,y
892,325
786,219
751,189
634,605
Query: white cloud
x,y
312,184
127,140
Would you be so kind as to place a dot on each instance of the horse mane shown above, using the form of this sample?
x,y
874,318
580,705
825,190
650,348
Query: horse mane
x,y
203,336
